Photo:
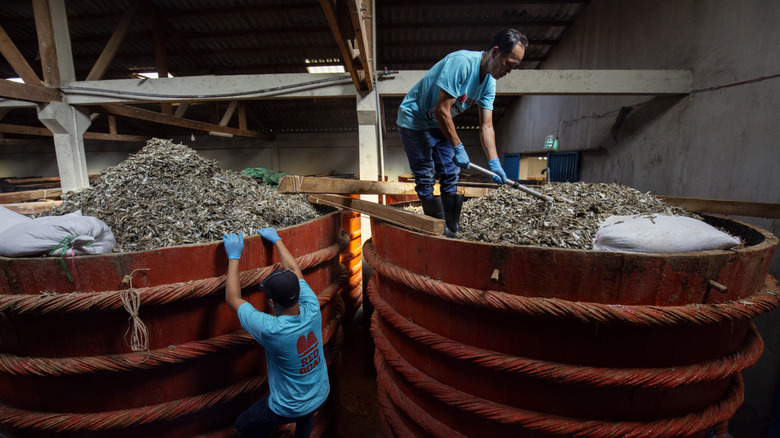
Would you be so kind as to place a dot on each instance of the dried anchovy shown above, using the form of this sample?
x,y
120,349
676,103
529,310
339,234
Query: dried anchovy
x,y
168,195
510,216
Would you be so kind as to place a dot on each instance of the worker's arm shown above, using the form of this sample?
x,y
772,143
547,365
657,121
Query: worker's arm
x,y
287,259
444,117
234,245
447,127
487,136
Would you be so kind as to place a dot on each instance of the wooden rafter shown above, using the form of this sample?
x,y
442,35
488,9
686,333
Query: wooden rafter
x,y
47,48
360,12
14,57
231,109
155,117
161,55
112,47
28,93
339,18
6,128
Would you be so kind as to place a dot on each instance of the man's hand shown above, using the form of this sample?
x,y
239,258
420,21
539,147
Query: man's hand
x,y
495,167
461,158
234,245
269,234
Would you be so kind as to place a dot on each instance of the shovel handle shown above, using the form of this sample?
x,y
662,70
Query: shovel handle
x,y
514,184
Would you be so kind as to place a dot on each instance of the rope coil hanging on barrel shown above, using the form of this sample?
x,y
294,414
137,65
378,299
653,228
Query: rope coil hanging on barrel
x,y
131,300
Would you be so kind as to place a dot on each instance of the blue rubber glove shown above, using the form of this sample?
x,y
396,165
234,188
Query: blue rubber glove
x,y
269,234
234,245
461,158
495,167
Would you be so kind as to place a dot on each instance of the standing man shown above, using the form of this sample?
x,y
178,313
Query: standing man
x,y
432,145
292,338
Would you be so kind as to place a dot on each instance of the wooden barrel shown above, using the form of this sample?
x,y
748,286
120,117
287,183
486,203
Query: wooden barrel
x,y
351,258
477,339
66,363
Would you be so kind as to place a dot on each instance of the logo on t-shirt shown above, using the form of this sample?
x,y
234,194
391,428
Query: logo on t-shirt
x,y
308,352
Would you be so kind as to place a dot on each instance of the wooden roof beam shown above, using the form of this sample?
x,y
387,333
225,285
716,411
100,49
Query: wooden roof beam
x,y
339,18
360,12
112,47
6,128
14,57
28,93
155,117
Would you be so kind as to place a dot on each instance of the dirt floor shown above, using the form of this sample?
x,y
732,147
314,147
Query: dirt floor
x,y
359,413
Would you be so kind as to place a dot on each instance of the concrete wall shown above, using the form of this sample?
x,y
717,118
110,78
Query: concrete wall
x,y
720,143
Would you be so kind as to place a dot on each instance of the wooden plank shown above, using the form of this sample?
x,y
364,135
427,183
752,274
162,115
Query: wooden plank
x,y
14,57
406,219
151,116
29,195
768,210
36,207
28,93
113,44
307,184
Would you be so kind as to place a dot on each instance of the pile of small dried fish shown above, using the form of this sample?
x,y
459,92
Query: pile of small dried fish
x,y
167,195
509,216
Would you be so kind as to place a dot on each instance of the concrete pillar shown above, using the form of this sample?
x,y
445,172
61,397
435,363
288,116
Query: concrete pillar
x,y
368,149
68,125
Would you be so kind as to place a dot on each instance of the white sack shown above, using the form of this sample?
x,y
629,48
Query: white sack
x,y
658,233
10,218
40,236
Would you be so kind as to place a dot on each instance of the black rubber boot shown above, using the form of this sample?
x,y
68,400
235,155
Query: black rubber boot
x,y
435,208
452,206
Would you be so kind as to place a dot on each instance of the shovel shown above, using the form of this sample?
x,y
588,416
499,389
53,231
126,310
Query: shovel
x,y
514,184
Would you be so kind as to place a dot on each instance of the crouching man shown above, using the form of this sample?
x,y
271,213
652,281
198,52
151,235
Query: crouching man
x,y
291,337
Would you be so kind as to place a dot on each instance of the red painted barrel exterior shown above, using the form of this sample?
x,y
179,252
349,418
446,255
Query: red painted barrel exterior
x,y
178,324
443,365
351,258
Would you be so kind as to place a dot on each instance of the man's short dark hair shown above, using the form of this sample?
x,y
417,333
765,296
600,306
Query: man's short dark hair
x,y
282,286
507,39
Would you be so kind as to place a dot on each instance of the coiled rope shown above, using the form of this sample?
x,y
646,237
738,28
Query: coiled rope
x,y
16,305
13,305
708,371
26,366
742,309
64,422
686,425
70,422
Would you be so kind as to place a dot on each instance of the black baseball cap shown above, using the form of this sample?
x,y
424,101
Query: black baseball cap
x,y
281,286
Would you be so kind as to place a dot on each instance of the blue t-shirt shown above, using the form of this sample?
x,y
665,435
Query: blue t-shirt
x,y
458,75
297,374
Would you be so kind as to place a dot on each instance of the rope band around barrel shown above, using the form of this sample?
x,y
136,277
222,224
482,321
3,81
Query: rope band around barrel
x,y
64,422
690,314
386,358
713,370
14,305
27,366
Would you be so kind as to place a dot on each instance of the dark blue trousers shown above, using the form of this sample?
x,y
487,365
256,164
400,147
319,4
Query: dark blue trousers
x,y
430,156
259,420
